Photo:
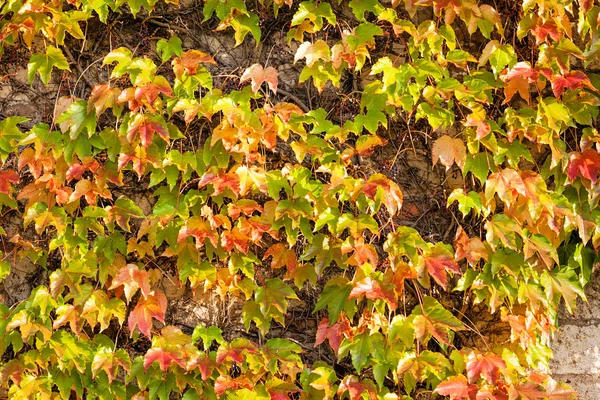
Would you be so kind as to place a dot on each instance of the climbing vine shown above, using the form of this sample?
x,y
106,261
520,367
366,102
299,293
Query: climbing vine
x,y
236,217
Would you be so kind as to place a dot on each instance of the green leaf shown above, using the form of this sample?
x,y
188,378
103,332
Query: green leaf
x,y
431,318
334,297
207,335
44,62
166,49
78,119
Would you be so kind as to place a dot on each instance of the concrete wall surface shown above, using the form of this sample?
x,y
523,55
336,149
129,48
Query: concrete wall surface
x,y
576,346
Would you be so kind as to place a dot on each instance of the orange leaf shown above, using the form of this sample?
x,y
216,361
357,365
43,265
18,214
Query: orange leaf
x,y
438,262
334,333
154,306
164,358
5,177
457,388
132,278
586,164
486,365
190,61
102,97
449,151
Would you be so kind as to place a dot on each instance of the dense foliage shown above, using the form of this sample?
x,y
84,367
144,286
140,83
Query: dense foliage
x,y
234,218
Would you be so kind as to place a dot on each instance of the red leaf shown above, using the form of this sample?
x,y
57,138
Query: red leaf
x,y
541,31
257,74
154,306
392,195
334,333
223,383
457,388
356,389
438,262
572,80
164,358
486,365
5,177
518,79
586,164
282,257
132,278
204,363
236,350
146,126
200,229
372,290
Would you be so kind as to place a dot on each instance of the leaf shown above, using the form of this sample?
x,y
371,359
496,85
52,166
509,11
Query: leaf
x,y
431,318
164,358
448,151
44,62
103,96
334,297
122,211
189,62
372,290
439,260
258,76
237,350
77,118
208,335
282,257
166,49
333,333
312,52
132,278
107,360
154,306
457,388
486,365
6,177
357,390
586,164
145,126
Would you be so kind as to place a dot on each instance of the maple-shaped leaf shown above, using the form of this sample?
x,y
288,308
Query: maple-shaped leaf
x,y
132,278
507,184
204,363
543,29
68,313
6,177
122,211
517,80
103,96
148,92
570,80
258,75
486,365
526,391
373,290
44,62
190,61
356,389
224,383
108,360
145,126
236,350
334,333
154,306
282,257
457,388
586,164
431,318
200,229
472,249
313,52
438,261
380,187
449,151
164,357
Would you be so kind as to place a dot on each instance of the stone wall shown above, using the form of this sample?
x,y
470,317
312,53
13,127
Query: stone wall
x,y
577,345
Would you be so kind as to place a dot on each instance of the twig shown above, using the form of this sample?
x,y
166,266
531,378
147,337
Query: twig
x,y
81,71
299,102
152,21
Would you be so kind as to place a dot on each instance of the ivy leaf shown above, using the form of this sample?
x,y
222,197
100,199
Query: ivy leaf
x,y
164,357
10,135
258,75
486,365
586,164
6,177
457,388
334,297
237,350
102,97
190,61
333,333
132,278
439,260
208,335
77,118
145,126
107,360
448,151
154,306
166,49
502,229
122,211
431,318
44,62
